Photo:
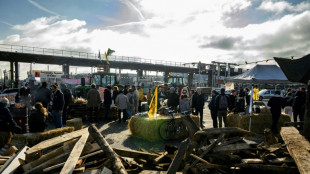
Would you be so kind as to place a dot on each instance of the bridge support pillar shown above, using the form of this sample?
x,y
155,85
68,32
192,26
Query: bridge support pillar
x,y
210,77
190,79
16,74
139,75
11,74
166,76
66,70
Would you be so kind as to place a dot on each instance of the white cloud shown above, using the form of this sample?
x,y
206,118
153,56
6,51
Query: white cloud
x,y
281,6
176,30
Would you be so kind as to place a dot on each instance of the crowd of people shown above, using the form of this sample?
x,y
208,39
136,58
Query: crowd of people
x,y
54,101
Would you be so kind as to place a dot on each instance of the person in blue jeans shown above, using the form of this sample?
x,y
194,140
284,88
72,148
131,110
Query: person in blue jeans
x,y
57,106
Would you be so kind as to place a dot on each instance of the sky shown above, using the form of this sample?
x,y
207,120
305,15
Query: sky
x,y
187,31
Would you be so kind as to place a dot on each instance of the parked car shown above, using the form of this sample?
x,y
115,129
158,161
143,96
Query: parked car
x,y
266,93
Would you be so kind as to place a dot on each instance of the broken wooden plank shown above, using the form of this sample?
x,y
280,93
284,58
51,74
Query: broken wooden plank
x,y
228,131
298,147
209,165
9,151
13,164
55,141
74,155
232,147
117,164
160,158
252,161
208,148
174,166
61,150
281,160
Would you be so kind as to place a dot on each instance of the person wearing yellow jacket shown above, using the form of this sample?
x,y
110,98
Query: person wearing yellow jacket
x,y
256,93
141,96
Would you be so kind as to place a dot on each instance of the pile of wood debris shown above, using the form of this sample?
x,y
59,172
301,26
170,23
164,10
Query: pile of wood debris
x,y
223,150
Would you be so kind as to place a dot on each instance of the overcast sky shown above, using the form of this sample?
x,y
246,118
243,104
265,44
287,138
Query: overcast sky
x,y
178,30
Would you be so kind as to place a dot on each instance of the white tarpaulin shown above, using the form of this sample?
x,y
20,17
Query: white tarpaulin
x,y
260,74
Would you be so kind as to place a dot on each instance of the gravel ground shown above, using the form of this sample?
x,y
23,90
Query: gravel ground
x,y
119,135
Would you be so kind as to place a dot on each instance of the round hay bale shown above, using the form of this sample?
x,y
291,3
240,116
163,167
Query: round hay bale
x,y
77,123
153,129
258,123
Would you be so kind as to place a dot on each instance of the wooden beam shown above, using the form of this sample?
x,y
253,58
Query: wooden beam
x,y
118,167
64,149
13,163
55,141
232,147
74,155
174,166
209,165
261,168
298,147
208,149
228,131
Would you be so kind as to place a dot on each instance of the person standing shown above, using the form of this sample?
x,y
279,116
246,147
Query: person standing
x,y
241,101
276,103
233,101
43,95
213,109
221,104
136,97
149,96
68,99
173,100
198,103
107,102
93,103
122,101
115,93
141,97
288,109
299,105
25,97
184,105
131,103
57,106
7,124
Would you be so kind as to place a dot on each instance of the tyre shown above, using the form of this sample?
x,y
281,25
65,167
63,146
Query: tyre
x,y
166,131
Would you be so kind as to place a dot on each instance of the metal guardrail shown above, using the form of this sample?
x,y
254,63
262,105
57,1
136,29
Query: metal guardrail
x,y
85,55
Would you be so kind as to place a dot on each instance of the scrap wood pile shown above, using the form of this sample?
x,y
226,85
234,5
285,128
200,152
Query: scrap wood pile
x,y
223,150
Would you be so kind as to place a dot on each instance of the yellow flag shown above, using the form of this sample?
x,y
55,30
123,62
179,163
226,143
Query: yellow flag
x,y
153,104
106,58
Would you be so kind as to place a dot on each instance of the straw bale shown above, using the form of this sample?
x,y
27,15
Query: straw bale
x,y
260,121
77,123
5,138
31,139
148,128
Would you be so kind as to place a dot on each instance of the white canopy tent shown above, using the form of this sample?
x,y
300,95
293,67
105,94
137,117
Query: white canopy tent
x,y
259,74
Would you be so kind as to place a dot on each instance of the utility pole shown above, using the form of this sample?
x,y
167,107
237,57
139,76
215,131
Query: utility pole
x,y
219,67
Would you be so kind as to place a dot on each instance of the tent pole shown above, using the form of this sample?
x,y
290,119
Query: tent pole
x,y
250,109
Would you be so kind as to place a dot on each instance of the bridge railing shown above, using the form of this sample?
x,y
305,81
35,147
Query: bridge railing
x,y
86,55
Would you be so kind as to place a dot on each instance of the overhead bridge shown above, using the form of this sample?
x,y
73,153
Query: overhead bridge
x,y
15,53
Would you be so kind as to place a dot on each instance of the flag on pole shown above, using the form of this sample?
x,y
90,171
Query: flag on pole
x,y
153,104
108,53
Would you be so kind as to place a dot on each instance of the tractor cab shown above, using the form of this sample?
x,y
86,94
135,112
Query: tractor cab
x,y
102,79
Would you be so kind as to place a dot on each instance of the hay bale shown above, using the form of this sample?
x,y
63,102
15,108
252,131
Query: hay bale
x,y
5,138
31,139
77,123
149,128
259,121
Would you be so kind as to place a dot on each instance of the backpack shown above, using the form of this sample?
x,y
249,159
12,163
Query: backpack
x,y
223,104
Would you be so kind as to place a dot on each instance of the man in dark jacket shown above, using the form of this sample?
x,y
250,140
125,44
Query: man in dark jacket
x,y
93,103
198,103
276,103
43,95
67,98
212,108
107,102
221,103
57,106
7,124
299,106
173,100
